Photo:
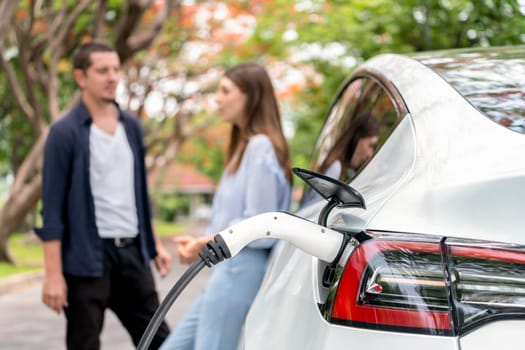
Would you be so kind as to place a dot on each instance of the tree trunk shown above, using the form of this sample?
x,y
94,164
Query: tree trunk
x,y
24,195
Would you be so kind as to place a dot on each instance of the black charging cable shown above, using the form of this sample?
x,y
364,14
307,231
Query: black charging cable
x,y
212,253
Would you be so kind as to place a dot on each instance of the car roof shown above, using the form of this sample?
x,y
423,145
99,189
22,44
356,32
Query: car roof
x,y
446,169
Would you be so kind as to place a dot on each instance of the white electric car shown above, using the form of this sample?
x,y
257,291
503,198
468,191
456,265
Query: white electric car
x,y
436,258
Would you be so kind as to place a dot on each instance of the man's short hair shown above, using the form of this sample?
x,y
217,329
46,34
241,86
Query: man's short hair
x,y
82,55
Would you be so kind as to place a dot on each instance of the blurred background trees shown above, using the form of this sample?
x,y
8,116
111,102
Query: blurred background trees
x,y
174,52
36,41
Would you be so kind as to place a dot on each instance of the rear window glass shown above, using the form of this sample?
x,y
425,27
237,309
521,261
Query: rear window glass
x,y
492,80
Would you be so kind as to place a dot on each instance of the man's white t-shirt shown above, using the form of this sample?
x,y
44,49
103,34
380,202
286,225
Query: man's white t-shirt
x,y
112,183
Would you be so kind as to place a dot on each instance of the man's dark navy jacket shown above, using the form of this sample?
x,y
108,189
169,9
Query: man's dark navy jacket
x,y
68,207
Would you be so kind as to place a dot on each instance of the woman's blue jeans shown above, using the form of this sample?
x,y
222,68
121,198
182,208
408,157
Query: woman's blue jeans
x,y
215,320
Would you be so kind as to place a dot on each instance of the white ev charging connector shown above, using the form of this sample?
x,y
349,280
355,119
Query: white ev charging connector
x,y
314,239
310,237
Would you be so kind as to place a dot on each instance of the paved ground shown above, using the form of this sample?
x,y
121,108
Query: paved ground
x,y
25,323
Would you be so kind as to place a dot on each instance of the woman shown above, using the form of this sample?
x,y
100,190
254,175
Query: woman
x,y
256,179
354,147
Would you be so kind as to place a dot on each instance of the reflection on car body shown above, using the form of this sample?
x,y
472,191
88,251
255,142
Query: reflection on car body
x,y
443,265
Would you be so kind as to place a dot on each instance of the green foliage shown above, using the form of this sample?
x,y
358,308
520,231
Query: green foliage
x,y
205,149
206,157
309,117
15,133
166,229
27,252
7,270
169,206
463,23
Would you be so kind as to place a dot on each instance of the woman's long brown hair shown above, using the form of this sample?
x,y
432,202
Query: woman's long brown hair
x,y
343,150
262,115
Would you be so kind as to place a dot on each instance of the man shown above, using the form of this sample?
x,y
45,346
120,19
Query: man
x,y
97,231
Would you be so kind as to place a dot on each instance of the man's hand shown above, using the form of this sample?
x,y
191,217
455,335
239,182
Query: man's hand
x,y
188,247
54,288
54,292
162,260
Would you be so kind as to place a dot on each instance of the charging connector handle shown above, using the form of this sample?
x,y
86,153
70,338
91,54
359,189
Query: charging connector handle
x,y
308,236
215,251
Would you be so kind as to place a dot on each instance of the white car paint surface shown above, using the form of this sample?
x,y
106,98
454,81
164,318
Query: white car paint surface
x,y
446,172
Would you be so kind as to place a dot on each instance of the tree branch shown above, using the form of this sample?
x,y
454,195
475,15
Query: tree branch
x,y
129,40
7,10
25,70
127,26
59,38
25,106
56,20
56,44
99,15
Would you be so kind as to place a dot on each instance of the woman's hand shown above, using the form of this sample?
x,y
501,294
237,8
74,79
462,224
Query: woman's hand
x,y
188,247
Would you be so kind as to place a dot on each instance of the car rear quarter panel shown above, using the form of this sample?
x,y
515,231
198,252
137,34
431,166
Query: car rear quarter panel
x,y
501,335
285,315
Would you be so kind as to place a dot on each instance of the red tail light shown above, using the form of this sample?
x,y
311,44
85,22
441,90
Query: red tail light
x,y
394,285
420,287
488,283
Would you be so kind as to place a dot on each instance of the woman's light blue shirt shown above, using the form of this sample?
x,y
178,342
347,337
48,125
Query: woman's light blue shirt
x,y
259,185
